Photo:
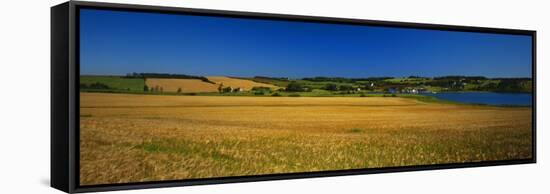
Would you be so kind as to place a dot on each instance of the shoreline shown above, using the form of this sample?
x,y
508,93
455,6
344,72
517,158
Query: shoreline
x,y
417,97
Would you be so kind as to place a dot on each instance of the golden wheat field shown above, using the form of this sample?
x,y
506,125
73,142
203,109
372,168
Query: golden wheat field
x,y
196,85
134,138
186,85
238,83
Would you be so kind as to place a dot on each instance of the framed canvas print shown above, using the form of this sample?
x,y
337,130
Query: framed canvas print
x,y
147,96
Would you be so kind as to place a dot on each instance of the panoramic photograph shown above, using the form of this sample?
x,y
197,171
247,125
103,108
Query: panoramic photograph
x,y
180,97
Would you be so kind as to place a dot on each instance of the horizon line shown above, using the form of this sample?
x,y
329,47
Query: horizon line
x,y
419,76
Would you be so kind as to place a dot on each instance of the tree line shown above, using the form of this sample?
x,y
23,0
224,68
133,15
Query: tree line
x,y
167,75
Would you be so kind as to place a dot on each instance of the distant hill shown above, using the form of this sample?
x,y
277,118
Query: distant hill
x,y
188,85
181,85
246,85
166,75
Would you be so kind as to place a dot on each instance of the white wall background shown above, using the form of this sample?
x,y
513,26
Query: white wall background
x,y
25,95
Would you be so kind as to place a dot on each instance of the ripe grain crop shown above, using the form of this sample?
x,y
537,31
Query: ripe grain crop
x,y
239,83
198,86
185,85
133,138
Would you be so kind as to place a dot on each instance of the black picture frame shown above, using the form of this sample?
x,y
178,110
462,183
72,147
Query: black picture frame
x,y
65,98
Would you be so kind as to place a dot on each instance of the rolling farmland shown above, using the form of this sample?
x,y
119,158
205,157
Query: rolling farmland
x,y
193,97
239,83
198,86
132,138
186,85
114,82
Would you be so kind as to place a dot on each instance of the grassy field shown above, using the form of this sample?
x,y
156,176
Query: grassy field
x,y
116,83
133,138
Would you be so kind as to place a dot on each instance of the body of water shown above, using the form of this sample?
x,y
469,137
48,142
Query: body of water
x,y
490,98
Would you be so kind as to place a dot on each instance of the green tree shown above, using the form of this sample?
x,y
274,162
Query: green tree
x,y
331,87
346,88
294,87
220,88
227,89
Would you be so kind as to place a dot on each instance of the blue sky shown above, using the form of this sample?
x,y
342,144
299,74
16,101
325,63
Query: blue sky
x,y
119,42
